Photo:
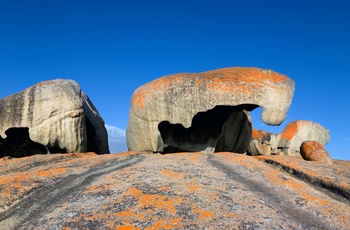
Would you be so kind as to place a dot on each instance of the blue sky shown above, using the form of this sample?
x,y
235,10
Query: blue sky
x,y
112,47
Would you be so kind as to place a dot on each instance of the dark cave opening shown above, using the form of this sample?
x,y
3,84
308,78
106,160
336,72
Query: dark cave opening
x,y
18,143
91,134
223,128
56,149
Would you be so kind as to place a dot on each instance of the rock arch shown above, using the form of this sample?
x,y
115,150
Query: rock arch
x,y
223,128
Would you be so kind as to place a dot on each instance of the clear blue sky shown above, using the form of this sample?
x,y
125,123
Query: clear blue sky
x,y
112,47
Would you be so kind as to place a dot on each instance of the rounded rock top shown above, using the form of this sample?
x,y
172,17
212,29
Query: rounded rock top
x,y
231,79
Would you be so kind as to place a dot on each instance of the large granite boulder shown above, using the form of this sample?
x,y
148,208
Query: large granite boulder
x,y
186,104
58,114
297,132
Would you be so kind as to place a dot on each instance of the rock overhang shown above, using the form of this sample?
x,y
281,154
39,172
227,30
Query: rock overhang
x,y
178,98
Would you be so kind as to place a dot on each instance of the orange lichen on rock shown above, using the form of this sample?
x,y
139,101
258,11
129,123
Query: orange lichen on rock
x,y
159,202
289,131
220,189
154,200
193,187
173,174
239,79
238,158
292,128
126,228
166,224
206,215
260,134
314,151
51,172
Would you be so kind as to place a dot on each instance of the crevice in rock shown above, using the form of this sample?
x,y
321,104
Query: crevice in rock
x,y
223,128
331,189
274,198
91,134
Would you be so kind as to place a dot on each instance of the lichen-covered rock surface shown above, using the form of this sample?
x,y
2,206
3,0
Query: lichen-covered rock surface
x,y
58,114
314,151
173,191
297,132
178,98
288,142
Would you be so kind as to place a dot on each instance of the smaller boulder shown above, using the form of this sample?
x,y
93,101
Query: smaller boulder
x,y
257,148
19,144
314,151
263,143
301,130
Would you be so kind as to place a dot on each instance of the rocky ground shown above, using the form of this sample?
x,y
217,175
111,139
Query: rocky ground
x,y
174,191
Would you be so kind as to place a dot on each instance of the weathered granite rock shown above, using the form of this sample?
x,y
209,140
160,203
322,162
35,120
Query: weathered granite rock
x,y
177,99
314,151
172,191
19,144
263,143
257,148
299,131
97,138
58,116
236,133
289,141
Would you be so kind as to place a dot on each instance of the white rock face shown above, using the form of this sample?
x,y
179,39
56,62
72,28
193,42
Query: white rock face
x,y
299,131
178,98
54,111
